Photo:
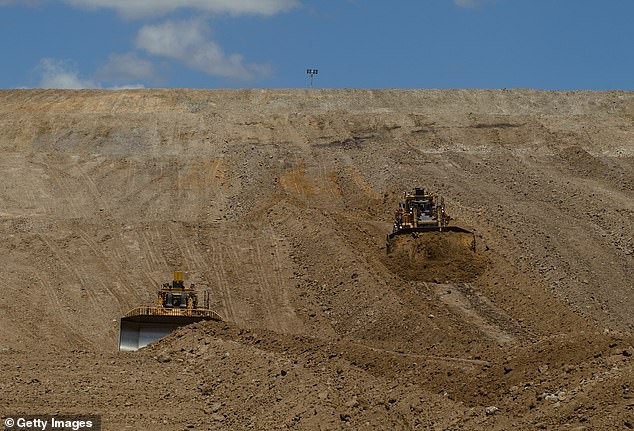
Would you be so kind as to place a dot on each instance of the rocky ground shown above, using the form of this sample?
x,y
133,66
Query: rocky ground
x,y
278,202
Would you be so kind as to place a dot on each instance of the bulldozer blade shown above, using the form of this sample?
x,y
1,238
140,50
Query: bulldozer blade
x,y
139,331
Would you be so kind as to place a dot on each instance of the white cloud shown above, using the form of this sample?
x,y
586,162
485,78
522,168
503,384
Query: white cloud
x,y
139,8
190,43
127,67
62,74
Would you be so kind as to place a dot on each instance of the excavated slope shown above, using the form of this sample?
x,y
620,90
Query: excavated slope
x,y
278,201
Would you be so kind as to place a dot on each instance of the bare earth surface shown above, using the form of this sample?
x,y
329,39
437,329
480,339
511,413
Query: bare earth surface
x,y
279,202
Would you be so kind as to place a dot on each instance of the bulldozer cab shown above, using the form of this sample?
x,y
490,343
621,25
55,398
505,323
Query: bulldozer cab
x,y
175,295
177,305
421,205
421,211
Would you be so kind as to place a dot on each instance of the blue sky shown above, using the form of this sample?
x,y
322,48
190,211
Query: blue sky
x,y
543,44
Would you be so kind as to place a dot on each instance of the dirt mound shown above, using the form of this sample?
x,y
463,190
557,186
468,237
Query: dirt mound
x,y
296,381
438,257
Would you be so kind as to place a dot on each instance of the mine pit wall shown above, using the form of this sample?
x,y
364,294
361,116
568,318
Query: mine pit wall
x,y
106,193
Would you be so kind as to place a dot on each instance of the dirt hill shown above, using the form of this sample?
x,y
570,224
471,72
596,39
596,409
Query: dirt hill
x,y
278,201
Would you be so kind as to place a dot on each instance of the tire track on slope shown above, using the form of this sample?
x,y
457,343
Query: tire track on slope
x,y
71,270
221,276
92,187
286,302
102,259
70,334
61,186
265,288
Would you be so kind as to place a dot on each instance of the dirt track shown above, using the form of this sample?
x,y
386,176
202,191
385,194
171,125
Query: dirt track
x,y
279,202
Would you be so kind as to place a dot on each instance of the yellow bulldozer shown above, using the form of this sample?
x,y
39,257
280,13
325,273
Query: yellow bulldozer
x,y
176,306
421,211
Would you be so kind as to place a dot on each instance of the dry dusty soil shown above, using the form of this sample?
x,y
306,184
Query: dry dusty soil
x,y
279,201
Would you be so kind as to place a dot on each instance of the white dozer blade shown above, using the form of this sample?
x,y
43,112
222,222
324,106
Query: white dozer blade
x,y
139,331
